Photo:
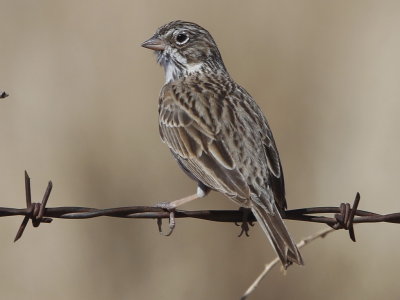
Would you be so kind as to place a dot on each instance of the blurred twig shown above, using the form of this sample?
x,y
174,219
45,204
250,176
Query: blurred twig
x,y
3,95
344,216
274,262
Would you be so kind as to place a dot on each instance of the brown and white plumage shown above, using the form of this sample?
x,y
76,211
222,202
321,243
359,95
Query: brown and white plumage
x,y
217,132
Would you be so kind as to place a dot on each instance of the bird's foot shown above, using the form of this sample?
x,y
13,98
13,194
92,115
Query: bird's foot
x,y
245,222
170,207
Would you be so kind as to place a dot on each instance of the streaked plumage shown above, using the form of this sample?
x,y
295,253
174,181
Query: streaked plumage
x,y
217,132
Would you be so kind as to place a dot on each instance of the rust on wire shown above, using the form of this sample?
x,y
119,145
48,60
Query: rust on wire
x,y
345,216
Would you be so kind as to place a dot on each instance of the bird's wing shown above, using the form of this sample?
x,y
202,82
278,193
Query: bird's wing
x,y
276,178
193,134
273,178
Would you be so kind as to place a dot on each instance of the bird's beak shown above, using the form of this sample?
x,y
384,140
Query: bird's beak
x,y
154,43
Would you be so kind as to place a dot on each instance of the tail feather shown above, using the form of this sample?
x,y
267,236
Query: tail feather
x,y
273,226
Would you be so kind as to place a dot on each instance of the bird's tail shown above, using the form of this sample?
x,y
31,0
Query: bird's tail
x,y
273,226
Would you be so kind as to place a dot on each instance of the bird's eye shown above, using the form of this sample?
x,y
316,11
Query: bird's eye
x,y
182,38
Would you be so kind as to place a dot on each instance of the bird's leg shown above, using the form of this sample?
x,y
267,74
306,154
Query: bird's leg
x,y
202,191
245,221
174,204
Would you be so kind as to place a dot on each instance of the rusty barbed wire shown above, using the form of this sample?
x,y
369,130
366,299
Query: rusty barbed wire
x,y
345,216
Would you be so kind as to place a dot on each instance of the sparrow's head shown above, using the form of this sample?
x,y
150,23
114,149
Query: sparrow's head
x,y
184,48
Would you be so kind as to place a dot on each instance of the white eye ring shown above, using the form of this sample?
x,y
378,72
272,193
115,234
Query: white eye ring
x,y
182,38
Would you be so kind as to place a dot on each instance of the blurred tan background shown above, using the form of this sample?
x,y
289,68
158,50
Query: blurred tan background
x,y
82,112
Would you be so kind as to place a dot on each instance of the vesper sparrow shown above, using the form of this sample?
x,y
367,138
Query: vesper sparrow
x,y
216,131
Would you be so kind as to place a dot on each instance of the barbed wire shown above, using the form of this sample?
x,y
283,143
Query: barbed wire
x,y
343,217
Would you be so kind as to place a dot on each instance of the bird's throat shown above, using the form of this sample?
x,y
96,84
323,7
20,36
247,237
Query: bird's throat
x,y
176,71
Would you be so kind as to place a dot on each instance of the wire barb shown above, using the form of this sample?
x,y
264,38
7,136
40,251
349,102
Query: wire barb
x,y
345,219
34,211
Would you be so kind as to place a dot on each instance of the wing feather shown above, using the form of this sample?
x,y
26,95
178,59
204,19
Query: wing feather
x,y
198,148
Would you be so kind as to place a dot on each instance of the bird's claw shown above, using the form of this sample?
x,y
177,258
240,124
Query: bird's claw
x,y
245,222
171,209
